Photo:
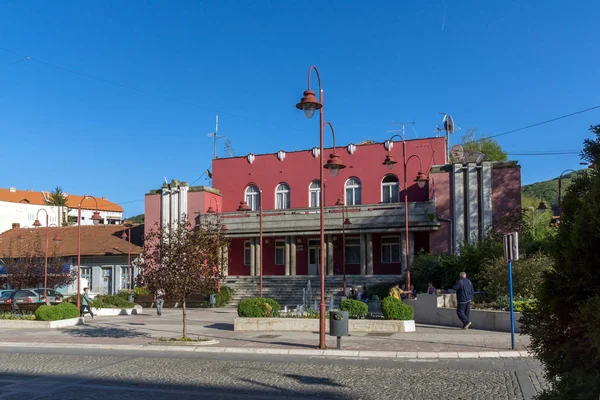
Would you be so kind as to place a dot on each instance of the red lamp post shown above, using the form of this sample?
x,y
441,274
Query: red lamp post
x,y
309,104
127,236
345,221
421,180
96,220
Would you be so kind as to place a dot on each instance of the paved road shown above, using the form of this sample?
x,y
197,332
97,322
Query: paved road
x,y
94,374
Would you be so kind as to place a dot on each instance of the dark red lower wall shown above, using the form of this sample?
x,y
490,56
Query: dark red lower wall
x,y
236,258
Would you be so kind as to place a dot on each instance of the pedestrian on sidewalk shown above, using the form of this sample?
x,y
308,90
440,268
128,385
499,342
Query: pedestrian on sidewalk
x,y
159,298
86,302
395,291
464,296
430,288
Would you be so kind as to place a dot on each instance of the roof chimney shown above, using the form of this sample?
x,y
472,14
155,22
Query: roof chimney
x,y
16,225
13,189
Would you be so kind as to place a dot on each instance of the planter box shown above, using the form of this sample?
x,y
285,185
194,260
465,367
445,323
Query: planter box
x,y
105,312
19,324
434,310
312,325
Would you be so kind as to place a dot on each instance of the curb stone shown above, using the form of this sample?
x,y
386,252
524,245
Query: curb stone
x,y
272,351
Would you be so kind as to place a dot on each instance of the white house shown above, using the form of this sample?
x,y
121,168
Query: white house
x,y
20,208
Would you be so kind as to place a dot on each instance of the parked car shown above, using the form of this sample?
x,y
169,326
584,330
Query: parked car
x,y
5,294
31,296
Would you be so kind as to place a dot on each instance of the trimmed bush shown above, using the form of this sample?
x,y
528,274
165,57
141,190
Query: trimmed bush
x,y
224,297
48,313
112,301
381,290
67,310
140,291
392,308
258,308
355,308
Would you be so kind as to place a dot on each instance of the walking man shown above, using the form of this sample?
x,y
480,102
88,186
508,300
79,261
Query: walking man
x,y
464,296
85,303
159,298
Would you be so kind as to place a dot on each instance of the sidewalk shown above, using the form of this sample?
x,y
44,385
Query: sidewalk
x,y
139,330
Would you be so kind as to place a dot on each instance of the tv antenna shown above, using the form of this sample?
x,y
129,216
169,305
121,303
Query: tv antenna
x,y
403,125
215,136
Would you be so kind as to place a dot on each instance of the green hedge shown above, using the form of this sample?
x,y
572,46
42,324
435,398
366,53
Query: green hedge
x,y
48,313
68,310
258,308
355,308
224,297
392,308
112,301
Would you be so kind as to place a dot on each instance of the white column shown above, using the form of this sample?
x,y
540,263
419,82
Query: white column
x,y
486,196
458,205
329,255
293,255
174,207
363,254
183,201
253,257
165,208
287,255
472,208
369,254
257,250
225,260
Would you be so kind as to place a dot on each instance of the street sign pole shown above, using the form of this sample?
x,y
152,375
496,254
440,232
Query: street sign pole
x,y
512,311
511,253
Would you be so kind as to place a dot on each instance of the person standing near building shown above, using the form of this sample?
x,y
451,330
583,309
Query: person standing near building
x,y
464,296
159,298
86,302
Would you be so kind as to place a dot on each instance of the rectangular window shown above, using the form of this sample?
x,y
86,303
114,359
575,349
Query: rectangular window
x,y
314,198
86,273
279,252
352,250
247,252
124,277
390,193
390,250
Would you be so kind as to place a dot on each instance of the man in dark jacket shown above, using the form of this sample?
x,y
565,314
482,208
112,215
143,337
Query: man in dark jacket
x,y
464,296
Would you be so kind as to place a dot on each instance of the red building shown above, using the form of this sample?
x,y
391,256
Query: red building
x,y
459,202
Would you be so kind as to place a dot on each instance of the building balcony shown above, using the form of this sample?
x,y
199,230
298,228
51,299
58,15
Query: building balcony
x,y
305,221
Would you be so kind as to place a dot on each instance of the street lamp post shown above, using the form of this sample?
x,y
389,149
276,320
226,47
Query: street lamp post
x,y
37,224
309,104
215,211
96,220
127,236
421,180
345,221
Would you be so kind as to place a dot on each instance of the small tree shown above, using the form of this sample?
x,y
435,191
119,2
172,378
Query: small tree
x,y
565,325
184,259
57,198
489,147
24,265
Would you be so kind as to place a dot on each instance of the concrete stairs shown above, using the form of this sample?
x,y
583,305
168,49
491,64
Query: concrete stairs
x,y
287,290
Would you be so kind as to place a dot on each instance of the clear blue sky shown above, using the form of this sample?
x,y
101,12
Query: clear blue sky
x,y
491,65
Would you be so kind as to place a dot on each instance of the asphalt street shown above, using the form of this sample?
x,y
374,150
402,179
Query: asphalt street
x,y
101,374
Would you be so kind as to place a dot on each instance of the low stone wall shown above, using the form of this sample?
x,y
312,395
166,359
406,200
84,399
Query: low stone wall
x,y
22,324
441,310
106,312
312,325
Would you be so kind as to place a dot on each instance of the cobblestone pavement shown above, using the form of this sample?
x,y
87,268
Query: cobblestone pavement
x,y
218,324
94,374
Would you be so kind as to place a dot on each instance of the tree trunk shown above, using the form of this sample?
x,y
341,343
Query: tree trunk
x,y
184,319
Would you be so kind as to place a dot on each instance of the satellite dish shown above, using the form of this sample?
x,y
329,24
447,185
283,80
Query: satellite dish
x,y
448,123
458,152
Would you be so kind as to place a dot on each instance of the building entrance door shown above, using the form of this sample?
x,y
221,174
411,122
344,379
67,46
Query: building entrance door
x,y
107,281
314,260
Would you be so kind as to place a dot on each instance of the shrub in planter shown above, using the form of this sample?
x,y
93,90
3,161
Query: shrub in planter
x,y
67,310
224,296
392,308
258,308
141,291
112,301
355,308
48,313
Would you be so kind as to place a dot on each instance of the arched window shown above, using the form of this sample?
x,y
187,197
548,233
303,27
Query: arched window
x,y
353,192
314,193
390,189
282,196
252,197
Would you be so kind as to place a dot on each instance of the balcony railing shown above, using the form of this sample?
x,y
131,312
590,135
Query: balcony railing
x,y
363,218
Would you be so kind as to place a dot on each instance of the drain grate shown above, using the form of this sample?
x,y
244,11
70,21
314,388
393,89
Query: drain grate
x,y
267,336
379,334
136,323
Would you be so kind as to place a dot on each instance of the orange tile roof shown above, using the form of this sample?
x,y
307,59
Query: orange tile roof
x,y
99,240
31,197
